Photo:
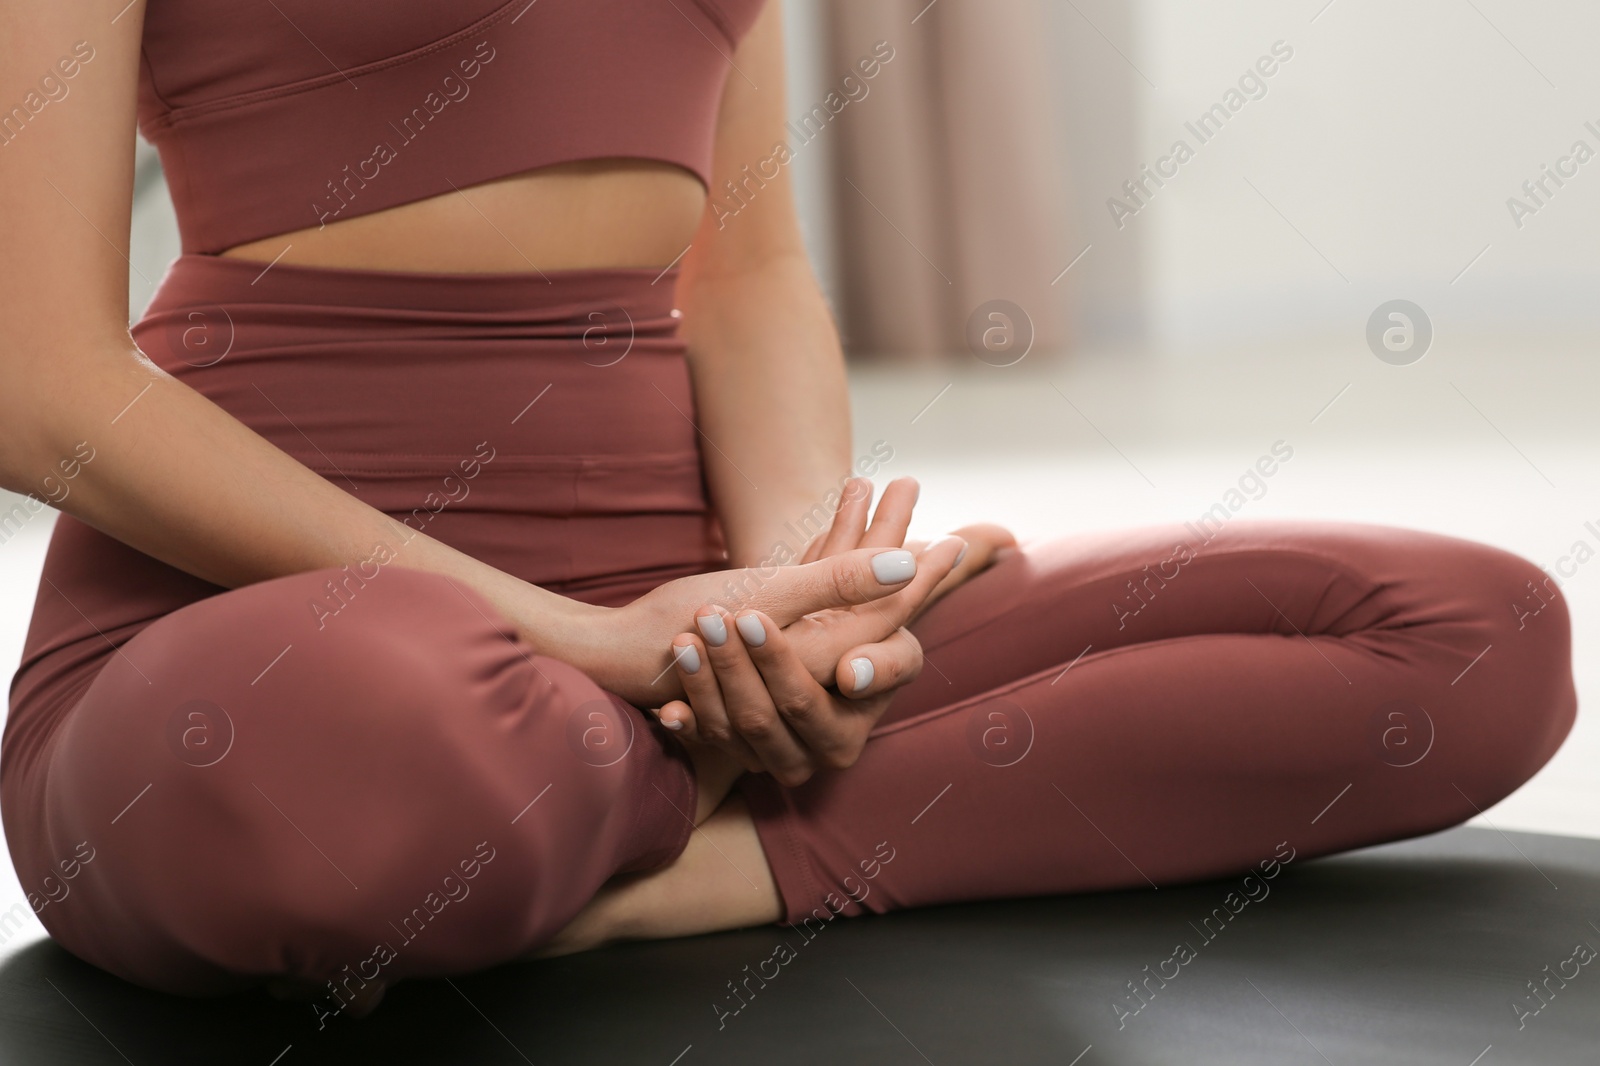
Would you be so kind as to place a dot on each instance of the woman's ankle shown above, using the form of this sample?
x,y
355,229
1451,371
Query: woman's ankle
x,y
721,881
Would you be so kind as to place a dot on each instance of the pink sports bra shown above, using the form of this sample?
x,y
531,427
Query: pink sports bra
x,y
276,115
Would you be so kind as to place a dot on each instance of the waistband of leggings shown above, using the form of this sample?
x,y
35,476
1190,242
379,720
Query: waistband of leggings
x,y
546,295
399,387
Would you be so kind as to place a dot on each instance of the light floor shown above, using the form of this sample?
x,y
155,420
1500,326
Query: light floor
x,y
1477,440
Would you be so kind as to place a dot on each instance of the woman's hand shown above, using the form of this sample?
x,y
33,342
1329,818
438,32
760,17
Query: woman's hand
x,y
986,542
721,707
750,694
854,598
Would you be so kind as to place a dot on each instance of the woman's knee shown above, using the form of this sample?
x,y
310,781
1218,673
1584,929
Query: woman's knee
x,y
1532,629
1510,700
294,787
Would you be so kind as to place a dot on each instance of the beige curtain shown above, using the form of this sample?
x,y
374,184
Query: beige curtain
x,y
950,185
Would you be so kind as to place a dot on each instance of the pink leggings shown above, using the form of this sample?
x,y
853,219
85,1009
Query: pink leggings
x,y
365,774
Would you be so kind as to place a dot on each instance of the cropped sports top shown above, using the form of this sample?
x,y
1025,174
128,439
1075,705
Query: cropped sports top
x,y
274,116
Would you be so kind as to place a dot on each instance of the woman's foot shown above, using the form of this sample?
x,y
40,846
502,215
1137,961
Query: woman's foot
x,y
987,544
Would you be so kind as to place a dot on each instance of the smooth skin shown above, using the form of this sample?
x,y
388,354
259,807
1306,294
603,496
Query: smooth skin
x,y
178,478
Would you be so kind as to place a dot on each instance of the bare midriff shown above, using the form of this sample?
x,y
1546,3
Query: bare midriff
x,y
589,214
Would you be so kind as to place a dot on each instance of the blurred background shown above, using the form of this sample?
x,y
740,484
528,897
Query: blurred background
x,y
1060,320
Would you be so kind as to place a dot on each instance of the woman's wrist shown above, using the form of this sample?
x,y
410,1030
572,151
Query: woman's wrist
x,y
595,640
567,629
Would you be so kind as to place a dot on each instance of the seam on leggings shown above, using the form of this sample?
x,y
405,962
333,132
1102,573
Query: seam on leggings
x,y
676,759
802,861
771,808
1333,562
682,840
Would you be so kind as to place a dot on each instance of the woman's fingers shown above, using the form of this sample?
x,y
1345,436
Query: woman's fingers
x,y
820,638
678,716
751,714
844,580
849,522
892,517
877,618
706,716
934,564
873,669
831,735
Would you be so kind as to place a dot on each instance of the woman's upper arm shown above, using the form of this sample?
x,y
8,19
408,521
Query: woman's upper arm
x,y
68,89
752,152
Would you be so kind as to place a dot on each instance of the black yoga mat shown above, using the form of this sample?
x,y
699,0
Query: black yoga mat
x,y
1466,947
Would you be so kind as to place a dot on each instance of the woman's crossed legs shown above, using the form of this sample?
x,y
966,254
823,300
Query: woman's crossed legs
x,y
406,790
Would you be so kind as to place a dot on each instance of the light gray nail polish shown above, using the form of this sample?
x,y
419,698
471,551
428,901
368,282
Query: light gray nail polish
x,y
960,555
751,629
712,629
673,725
863,670
893,567
688,658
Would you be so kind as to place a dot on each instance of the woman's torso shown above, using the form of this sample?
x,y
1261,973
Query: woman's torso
x,y
624,505
479,136
598,213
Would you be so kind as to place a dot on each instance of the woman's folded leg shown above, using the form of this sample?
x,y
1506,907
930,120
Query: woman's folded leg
x,y
1148,707
388,785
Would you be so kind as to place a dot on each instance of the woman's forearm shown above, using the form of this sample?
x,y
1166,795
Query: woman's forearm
x,y
772,401
126,448
92,427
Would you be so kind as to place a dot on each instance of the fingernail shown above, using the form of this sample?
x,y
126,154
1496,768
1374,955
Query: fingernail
x,y
751,629
960,555
688,658
673,725
712,629
893,567
863,670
